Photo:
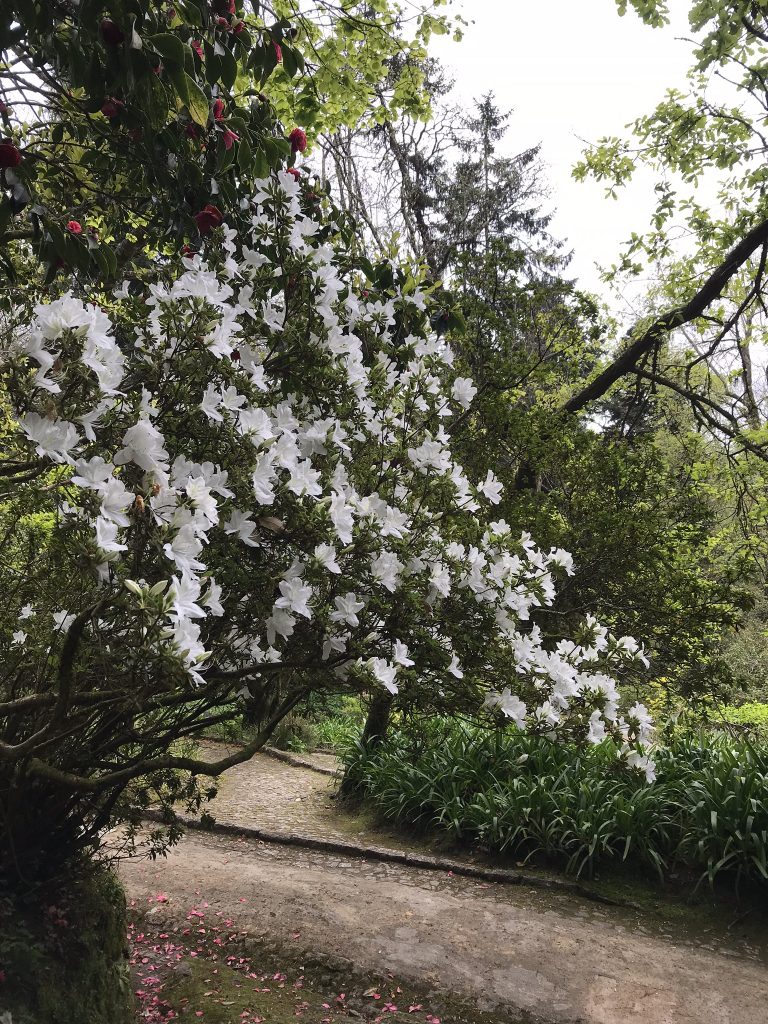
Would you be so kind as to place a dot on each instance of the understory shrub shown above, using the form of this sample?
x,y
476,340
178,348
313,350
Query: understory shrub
x,y
331,722
752,717
524,795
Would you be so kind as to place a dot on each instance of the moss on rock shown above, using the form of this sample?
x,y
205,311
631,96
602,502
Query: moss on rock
x,y
63,953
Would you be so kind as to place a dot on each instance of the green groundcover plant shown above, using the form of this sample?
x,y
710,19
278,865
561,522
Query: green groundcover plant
x,y
525,796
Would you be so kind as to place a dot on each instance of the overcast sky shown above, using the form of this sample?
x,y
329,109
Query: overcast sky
x,y
571,70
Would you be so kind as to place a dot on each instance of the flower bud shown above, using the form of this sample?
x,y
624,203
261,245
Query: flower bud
x,y
10,156
111,32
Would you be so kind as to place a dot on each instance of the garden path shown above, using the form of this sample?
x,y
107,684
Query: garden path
x,y
515,951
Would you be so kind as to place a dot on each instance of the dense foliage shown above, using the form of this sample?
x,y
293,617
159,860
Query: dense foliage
x,y
249,458
229,465
525,796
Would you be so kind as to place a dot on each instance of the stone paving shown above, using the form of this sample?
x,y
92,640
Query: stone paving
x,y
266,793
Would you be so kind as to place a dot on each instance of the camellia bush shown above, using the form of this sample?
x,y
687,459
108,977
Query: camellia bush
x,y
239,479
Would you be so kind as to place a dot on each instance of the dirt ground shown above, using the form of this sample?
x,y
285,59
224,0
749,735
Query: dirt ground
x,y
520,954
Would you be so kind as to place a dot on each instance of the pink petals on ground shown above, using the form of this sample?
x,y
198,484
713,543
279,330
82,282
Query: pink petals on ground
x,y
205,946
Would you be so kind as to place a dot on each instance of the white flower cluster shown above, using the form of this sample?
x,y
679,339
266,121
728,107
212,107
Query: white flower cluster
x,y
263,402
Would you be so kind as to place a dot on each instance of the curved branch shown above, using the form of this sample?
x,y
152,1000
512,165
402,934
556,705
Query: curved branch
x,y
674,318
122,776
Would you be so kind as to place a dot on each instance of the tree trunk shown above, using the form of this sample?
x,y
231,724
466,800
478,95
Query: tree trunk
x,y
377,722
374,732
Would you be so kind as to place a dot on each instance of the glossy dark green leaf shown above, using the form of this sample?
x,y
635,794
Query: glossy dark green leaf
x,y
169,46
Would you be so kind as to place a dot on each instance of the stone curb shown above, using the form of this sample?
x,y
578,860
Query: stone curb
x,y
296,760
412,860
299,762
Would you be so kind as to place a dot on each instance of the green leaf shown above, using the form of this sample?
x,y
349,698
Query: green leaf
x,y
151,94
290,64
169,46
197,104
180,82
227,69
106,260
261,164
244,154
193,12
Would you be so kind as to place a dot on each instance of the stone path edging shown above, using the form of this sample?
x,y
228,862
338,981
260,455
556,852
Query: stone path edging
x,y
300,762
412,860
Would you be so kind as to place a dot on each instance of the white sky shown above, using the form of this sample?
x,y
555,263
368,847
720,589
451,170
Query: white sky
x,y
571,70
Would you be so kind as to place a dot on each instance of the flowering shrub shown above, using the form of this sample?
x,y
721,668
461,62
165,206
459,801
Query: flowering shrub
x,y
247,485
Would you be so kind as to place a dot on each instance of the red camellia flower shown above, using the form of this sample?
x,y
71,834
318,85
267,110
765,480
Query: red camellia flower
x,y
298,140
9,155
111,107
229,137
222,22
218,110
278,52
197,46
111,32
74,227
208,218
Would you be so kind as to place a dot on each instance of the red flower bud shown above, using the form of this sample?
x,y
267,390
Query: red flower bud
x,y
229,137
74,227
197,46
278,52
234,355
111,107
238,27
9,155
296,174
188,251
111,32
3,109
218,110
222,22
298,140
208,218
192,131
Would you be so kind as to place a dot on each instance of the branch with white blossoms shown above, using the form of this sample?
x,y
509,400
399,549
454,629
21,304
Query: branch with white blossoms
x,y
263,437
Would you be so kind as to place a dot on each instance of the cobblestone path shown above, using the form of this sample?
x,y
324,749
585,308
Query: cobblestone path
x,y
513,951
266,793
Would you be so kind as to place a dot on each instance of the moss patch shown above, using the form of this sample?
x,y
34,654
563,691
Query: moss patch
x,y
63,953
211,973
